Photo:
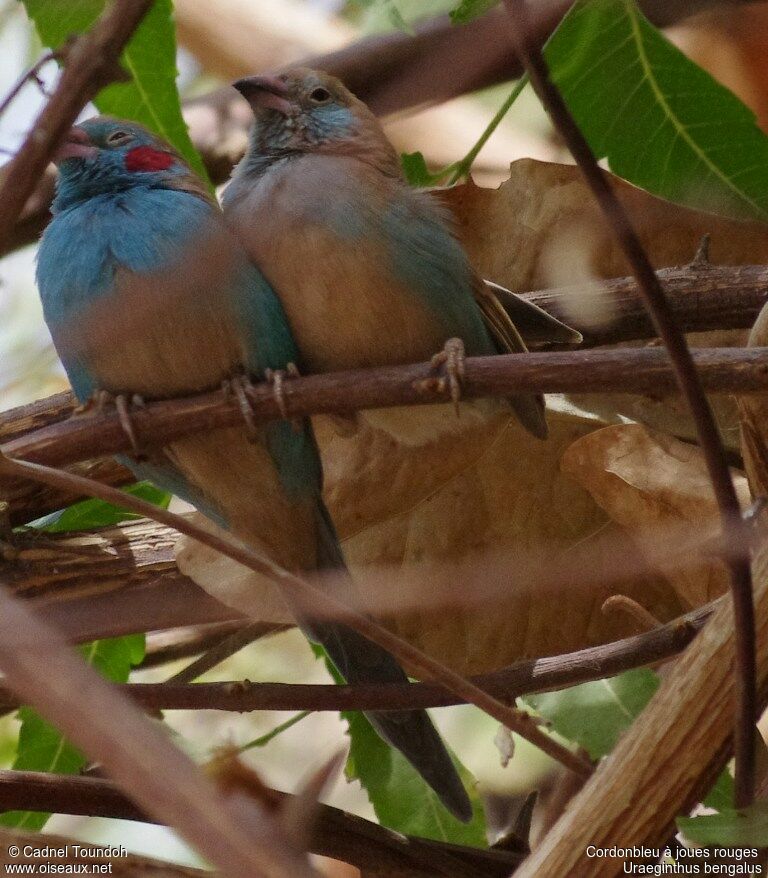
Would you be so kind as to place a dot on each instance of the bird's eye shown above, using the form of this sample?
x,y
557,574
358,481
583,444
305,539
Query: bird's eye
x,y
320,95
116,138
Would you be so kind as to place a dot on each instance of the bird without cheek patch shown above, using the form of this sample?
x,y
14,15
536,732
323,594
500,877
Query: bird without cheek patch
x,y
145,158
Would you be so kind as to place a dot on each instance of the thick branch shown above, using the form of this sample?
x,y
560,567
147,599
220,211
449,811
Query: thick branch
x,y
713,297
666,760
722,370
336,834
702,298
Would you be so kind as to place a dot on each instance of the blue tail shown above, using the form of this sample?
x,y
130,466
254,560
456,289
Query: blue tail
x,y
359,660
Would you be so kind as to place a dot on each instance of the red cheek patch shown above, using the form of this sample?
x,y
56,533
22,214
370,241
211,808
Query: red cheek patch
x,y
145,158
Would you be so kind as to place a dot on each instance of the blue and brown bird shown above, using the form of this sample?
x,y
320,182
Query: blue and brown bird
x,y
147,293
367,268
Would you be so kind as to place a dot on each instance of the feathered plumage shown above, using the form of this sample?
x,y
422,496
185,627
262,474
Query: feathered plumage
x,y
368,269
147,292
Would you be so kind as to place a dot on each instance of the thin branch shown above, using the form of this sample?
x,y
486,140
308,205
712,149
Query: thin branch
x,y
31,75
222,651
521,678
690,384
91,63
337,834
723,370
314,602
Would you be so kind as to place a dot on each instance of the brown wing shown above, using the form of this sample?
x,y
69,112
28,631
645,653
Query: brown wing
x,y
534,324
529,408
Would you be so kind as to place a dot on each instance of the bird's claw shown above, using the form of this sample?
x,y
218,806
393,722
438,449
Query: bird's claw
x,y
276,377
101,400
238,386
450,363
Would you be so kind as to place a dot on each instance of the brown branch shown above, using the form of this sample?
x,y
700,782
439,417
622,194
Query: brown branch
x,y
310,600
723,370
337,834
164,647
687,376
91,63
390,72
31,75
713,298
521,678
710,297
45,673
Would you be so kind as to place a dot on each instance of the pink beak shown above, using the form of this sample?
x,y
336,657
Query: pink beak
x,y
265,91
77,145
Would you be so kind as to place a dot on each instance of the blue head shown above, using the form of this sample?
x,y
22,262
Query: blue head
x,y
308,111
104,155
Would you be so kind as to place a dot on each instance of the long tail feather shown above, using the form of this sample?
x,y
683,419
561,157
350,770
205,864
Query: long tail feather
x,y
359,660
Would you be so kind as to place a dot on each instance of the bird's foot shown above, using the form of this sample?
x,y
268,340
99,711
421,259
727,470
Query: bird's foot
x,y
101,401
276,377
238,387
450,365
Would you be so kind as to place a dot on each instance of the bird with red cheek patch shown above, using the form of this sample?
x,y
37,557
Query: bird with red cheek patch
x,y
146,158
146,291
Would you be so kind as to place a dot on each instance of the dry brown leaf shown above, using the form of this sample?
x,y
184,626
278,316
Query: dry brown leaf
x,y
493,490
658,490
542,228
544,217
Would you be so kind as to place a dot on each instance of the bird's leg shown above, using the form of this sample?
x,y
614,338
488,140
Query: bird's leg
x,y
276,377
238,386
450,364
100,400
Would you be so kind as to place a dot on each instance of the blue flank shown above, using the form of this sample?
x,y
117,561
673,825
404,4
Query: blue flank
x,y
77,260
414,237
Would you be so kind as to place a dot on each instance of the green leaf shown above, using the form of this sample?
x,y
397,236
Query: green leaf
x,y
720,797
150,96
415,169
42,748
400,797
394,15
662,122
469,9
417,173
594,715
89,514
743,828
